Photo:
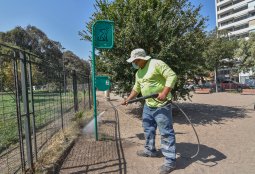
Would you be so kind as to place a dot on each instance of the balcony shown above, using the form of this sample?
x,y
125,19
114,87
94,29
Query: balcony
x,y
242,31
238,5
224,2
236,15
235,24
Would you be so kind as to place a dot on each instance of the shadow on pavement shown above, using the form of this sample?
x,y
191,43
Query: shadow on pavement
x,y
206,114
207,156
199,113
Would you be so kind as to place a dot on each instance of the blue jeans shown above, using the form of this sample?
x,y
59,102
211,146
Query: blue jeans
x,y
162,118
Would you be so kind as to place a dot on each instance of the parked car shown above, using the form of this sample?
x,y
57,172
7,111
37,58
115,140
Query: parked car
x,y
190,87
229,84
208,85
250,83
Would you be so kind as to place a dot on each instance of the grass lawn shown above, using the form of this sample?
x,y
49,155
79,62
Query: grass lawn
x,y
47,109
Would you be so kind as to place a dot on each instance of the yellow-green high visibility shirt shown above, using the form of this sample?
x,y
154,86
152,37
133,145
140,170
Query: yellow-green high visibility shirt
x,y
152,79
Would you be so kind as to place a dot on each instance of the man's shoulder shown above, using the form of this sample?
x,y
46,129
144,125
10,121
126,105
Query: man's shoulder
x,y
156,62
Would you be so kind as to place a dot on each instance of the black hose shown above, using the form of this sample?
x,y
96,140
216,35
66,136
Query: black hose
x,y
143,98
198,142
155,96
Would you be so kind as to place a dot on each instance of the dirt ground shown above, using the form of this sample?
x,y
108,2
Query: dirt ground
x,y
225,123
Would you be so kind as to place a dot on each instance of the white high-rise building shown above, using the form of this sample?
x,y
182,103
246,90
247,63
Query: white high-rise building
x,y
237,17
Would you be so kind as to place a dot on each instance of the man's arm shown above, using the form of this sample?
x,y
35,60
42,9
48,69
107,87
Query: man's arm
x,y
170,77
162,95
132,95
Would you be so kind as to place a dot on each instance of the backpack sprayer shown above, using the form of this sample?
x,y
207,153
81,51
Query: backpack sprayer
x,y
89,127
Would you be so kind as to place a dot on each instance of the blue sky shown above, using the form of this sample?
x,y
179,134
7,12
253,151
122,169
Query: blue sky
x,y
61,20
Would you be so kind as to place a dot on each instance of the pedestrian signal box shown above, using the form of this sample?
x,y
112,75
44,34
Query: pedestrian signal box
x,y
103,83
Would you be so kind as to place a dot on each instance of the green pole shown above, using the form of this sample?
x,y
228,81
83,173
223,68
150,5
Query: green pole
x,y
94,85
99,40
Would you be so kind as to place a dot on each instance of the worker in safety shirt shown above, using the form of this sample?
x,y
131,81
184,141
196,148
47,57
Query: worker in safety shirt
x,y
155,76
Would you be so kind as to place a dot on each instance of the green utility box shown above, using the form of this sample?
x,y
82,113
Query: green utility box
x,y
103,83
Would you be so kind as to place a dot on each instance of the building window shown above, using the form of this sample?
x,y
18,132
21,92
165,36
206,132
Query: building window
x,y
252,14
241,18
229,30
224,15
225,6
241,9
241,27
226,23
238,1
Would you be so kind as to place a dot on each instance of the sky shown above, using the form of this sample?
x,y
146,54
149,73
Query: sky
x,y
61,20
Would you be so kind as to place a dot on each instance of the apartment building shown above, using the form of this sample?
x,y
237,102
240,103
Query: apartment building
x,y
237,17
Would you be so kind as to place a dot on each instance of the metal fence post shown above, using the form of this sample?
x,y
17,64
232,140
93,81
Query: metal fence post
x,y
75,95
32,105
18,111
89,88
61,104
84,92
26,110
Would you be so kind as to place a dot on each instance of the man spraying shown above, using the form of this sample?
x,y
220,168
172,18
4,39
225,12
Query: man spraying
x,y
155,76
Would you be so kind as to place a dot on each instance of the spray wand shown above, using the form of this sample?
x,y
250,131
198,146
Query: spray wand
x,y
135,100
142,98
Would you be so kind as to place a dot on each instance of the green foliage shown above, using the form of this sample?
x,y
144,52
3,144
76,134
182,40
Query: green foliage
x,y
34,40
218,49
71,61
246,52
78,115
168,30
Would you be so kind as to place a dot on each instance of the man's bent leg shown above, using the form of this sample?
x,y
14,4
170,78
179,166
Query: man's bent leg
x,y
163,117
150,126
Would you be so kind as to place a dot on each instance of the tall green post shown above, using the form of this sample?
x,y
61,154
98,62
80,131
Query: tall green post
x,y
94,86
102,38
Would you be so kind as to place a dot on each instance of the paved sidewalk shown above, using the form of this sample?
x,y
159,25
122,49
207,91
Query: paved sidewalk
x,y
224,122
103,156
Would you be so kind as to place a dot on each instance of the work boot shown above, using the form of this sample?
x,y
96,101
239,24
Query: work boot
x,y
166,169
142,153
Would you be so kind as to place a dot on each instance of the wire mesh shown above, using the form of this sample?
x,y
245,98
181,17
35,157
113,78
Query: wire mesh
x,y
10,152
50,93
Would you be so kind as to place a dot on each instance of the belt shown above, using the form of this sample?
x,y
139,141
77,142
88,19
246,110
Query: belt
x,y
167,103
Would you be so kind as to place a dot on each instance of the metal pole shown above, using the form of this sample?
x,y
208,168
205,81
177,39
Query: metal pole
x,y
94,87
61,104
26,111
84,93
75,98
215,79
18,110
33,107
89,88
64,71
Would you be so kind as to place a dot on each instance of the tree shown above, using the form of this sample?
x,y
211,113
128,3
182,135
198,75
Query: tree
x,y
73,62
219,49
168,30
246,53
48,64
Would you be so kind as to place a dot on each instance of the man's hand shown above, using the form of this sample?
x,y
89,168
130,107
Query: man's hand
x,y
132,95
162,96
125,102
